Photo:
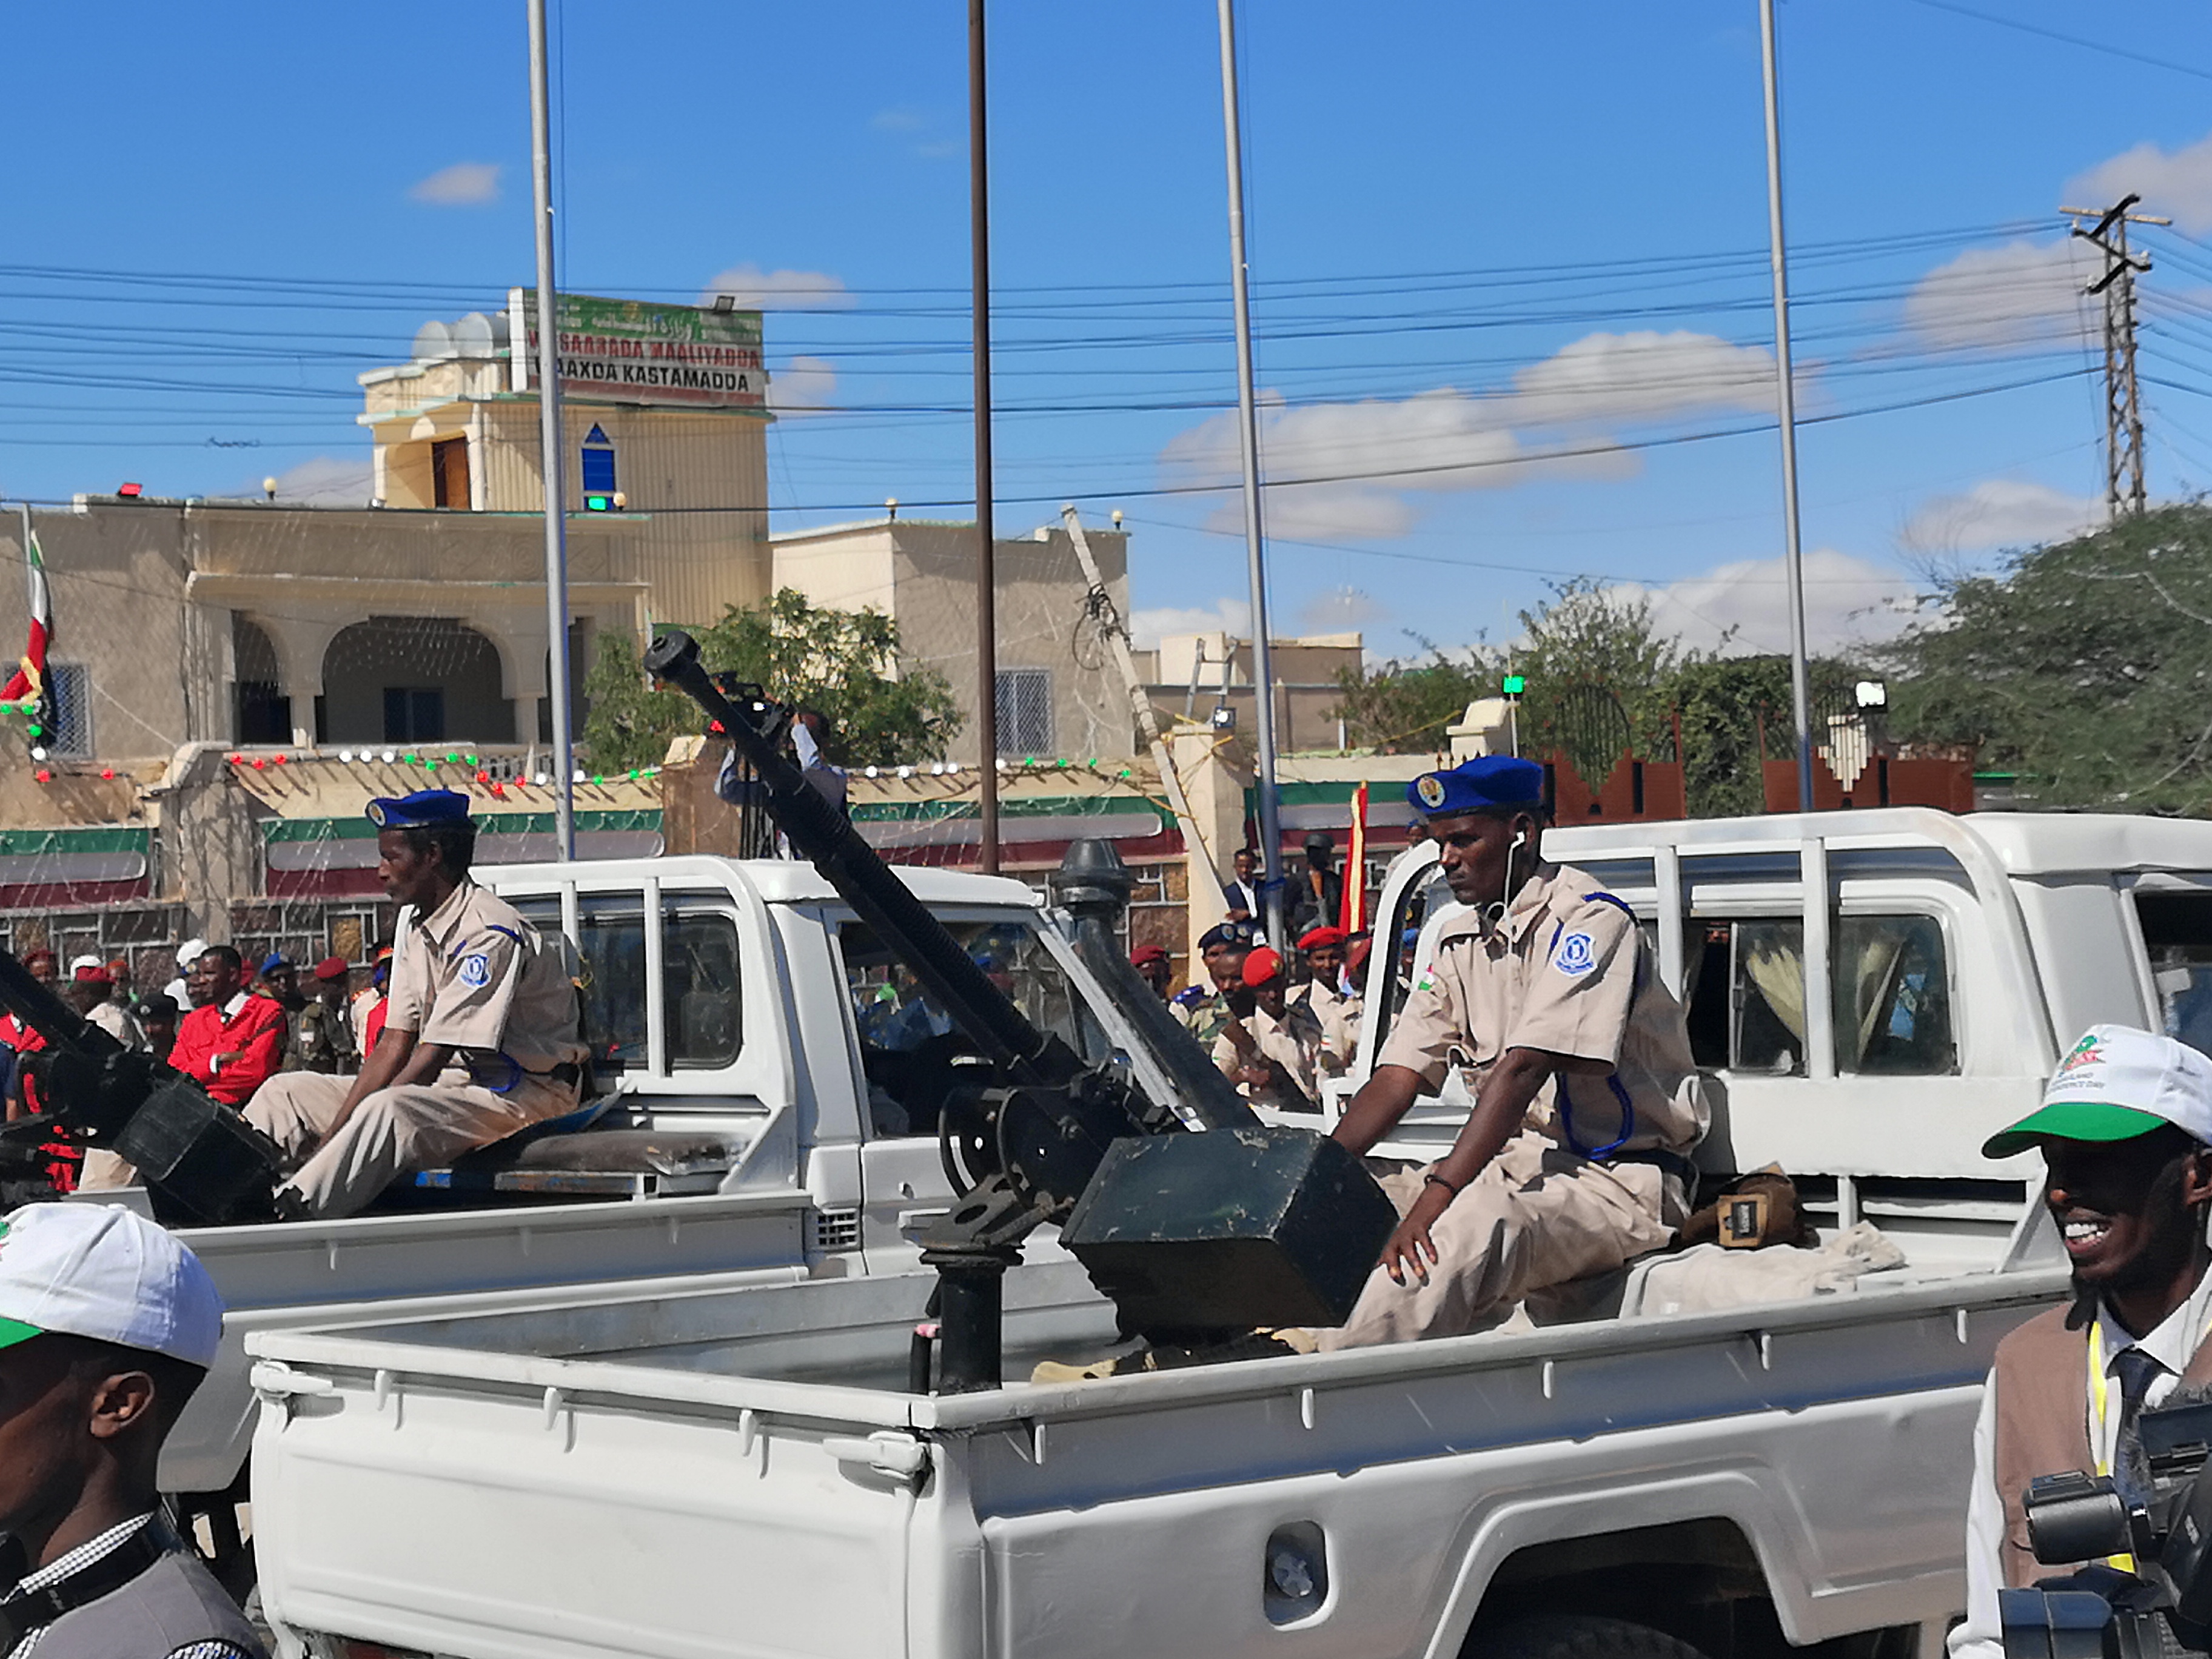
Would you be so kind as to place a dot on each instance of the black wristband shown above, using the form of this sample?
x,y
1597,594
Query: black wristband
x,y
1433,1178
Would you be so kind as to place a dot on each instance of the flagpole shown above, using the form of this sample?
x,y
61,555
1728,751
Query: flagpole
x,y
552,453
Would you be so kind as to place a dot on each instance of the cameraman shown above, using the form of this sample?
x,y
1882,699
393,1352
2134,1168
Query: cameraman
x,y
2126,1130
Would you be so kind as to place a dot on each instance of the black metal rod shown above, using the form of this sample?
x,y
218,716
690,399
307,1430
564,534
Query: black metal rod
x,y
824,834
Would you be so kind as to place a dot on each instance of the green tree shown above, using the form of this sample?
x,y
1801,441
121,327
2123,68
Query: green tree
x,y
1725,706
1597,675
2086,666
1402,707
837,662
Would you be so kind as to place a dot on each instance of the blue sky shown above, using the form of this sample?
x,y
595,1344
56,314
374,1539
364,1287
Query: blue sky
x,y
1509,266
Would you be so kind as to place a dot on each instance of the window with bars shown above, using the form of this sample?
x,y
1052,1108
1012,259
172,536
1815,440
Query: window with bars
x,y
1024,709
70,685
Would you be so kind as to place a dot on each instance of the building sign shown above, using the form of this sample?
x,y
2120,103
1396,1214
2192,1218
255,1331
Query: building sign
x,y
625,351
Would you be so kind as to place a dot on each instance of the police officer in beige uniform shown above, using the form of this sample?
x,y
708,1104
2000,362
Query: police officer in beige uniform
x,y
480,1039
1586,1101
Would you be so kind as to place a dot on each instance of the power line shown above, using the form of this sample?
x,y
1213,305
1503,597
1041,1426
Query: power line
x,y
1956,9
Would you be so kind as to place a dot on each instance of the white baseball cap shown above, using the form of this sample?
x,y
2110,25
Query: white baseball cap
x,y
2115,1083
104,1272
75,963
190,952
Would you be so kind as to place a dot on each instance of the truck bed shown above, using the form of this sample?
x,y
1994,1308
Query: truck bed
x,y
719,1471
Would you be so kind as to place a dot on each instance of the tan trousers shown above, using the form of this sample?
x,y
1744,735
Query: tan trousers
x,y
421,1127
1536,1217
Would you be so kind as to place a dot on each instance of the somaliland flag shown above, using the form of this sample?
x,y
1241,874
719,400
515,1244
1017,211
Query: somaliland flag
x,y
1353,916
29,683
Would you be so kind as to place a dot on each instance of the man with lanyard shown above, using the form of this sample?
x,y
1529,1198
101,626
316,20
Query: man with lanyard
x,y
1587,1102
480,1040
107,1326
1336,1008
2126,1130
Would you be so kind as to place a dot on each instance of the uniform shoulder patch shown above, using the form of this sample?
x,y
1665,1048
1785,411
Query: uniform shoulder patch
x,y
474,971
1575,956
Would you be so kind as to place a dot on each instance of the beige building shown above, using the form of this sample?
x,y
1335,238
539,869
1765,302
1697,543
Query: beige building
x,y
1058,691
1191,675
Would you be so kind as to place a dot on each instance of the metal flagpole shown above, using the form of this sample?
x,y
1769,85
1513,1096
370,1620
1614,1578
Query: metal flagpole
x,y
986,579
552,453
1801,692
1248,429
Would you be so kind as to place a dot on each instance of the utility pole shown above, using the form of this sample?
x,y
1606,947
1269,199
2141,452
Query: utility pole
x,y
2124,439
1785,394
552,452
1248,430
986,574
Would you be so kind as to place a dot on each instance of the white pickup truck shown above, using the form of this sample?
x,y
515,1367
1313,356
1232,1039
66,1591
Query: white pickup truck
x,y
719,1472
773,1084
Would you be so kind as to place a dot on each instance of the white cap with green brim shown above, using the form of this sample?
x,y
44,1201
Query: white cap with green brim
x,y
2115,1083
105,1272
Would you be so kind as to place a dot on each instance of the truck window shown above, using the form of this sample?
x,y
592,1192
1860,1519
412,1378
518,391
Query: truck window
x,y
909,1052
699,972
2176,929
1890,992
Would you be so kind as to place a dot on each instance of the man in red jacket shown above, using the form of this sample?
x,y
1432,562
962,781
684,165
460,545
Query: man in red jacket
x,y
233,1041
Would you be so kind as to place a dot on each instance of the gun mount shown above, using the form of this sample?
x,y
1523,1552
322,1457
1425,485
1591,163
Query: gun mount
x,y
1237,1226
202,1164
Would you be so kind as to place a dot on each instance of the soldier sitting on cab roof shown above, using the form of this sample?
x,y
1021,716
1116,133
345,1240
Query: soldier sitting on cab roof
x,y
480,1041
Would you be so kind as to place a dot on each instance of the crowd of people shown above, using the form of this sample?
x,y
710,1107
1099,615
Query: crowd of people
x,y
230,1029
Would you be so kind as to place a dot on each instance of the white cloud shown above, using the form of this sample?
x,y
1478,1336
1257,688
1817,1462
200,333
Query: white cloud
x,y
755,290
2000,298
325,481
804,385
2176,183
1998,513
1450,439
1147,627
1848,601
902,118
464,184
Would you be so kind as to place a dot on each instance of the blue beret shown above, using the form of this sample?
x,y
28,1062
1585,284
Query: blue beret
x,y
1238,933
1488,783
273,961
424,806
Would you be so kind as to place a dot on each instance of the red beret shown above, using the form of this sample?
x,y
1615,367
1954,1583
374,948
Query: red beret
x,y
93,976
330,968
1144,955
1262,965
1320,936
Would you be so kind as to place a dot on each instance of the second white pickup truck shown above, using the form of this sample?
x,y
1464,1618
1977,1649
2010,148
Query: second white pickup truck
x,y
748,1472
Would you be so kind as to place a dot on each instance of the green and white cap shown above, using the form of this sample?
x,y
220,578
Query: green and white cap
x,y
104,1272
2115,1083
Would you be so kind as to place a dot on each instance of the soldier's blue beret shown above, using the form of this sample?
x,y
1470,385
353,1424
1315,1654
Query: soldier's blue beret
x,y
1238,933
1488,783
424,806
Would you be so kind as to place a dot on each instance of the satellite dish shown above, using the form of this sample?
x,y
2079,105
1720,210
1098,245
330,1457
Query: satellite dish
x,y
434,341
472,335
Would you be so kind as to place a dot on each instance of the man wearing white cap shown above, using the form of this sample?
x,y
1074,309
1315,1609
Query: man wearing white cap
x,y
107,1326
2126,1130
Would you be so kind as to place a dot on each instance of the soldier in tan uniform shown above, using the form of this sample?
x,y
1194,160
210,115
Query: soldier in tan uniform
x,y
1586,1101
1336,1008
480,1041
1275,1055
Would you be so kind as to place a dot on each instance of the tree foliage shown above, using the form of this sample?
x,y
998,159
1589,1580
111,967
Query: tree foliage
x,y
1402,707
837,662
2086,666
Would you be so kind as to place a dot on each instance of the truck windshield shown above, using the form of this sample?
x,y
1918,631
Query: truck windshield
x,y
2177,930
907,1045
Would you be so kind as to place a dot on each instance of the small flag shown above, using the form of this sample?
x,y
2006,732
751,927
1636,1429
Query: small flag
x,y
1354,916
29,683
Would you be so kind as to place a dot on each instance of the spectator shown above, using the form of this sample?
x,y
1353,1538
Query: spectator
x,y
118,973
1241,894
323,1037
1314,898
231,1041
158,1016
368,1007
91,993
1155,967
179,990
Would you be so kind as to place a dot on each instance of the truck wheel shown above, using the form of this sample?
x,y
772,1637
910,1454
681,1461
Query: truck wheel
x,y
1574,1635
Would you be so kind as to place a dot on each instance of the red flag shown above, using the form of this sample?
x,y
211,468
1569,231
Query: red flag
x,y
1354,916
29,683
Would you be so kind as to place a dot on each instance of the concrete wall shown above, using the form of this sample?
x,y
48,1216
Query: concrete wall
x,y
1220,664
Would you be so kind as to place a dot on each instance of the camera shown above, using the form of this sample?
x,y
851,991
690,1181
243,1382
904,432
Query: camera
x,y
2156,1511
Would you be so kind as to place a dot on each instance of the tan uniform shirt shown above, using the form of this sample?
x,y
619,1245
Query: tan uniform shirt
x,y
475,976
1294,1042
1568,973
1338,1015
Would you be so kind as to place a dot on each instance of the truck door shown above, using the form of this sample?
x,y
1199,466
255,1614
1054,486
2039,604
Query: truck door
x,y
914,1065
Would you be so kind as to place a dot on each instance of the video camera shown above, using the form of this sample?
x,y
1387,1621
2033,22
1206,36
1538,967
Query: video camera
x,y
2157,1510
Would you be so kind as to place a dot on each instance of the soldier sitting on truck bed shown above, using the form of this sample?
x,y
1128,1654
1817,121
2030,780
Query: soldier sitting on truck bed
x,y
2125,1131
1586,1101
480,1039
